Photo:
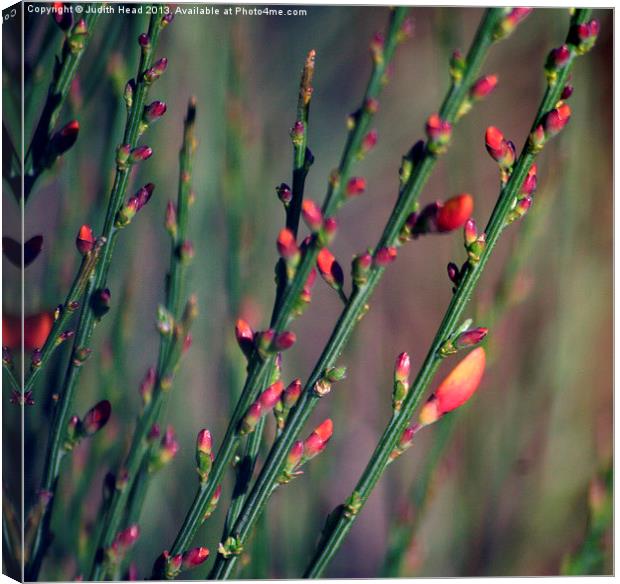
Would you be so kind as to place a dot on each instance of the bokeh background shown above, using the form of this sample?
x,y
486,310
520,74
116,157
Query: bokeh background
x,y
508,485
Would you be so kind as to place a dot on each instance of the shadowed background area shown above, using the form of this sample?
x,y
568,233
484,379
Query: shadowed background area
x,y
505,486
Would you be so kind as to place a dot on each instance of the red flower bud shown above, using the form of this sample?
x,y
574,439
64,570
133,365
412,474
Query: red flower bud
x,y
284,341
556,119
270,397
195,557
483,87
330,269
501,150
287,246
284,193
251,418
294,456
144,40
85,240
369,142
204,441
65,138
402,368
530,182
438,132
156,71
318,439
154,111
291,393
470,338
245,336
385,256
567,92
558,58
470,231
312,215
356,186
405,441
141,153
456,388
454,212
126,538
97,417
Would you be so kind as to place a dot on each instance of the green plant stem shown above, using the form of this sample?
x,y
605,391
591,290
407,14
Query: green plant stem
x,y
338,528
169,355
57,94
357,302
83,276
87,321
283,311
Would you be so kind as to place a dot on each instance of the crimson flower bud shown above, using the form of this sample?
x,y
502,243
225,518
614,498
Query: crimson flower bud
x,y
529,184
330,269
439,133
567,92
470,338
385,256
287,246
65,138
154,111
584,35
291,394
556,119
316,442
483,87
501,150
251,418
245,336
558,58
510,21
154,433
454,212
456,388
284,193
156,71
270,397
453,273
194,557
85,240
368,143
294,457
284,341
312,215
356,186
402,368
140,153
126,538
96,418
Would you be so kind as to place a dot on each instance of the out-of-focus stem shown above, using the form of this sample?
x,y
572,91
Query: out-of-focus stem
x,y
339,528
284,310
169,355
87,319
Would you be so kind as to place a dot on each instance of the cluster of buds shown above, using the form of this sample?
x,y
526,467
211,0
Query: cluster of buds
x,y
95,419
63,140
289,251
288,399
126,156
266,402
584,35
474,242
331,375
303,451
400,390
464,337
439,133
156,71
512,18
165,451
325,228
524,199
204,454
501,150
551,124
266,342
439,217
128,211
454,391
480,90
330,269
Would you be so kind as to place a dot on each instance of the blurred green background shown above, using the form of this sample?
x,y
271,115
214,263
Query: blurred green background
x,y
503,487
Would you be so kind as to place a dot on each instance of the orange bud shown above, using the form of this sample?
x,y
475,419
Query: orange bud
x,y
330,269
456,388
85,240
454,212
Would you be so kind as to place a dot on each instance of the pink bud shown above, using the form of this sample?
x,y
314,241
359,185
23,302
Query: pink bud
x,y
195,557
271,396
251,418
356,186
530,182
141,153
287,246
318,439
126,538
556,119
438,132
284,341
470,231
558,57
284,193
385,256
294,456
402,368
147,384
204,441
312,215
169,445
291,393
501,150
470,338
154,111
483,87
369,141
97,417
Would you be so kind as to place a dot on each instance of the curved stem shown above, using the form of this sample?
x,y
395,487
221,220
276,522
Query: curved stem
x,y
339,527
